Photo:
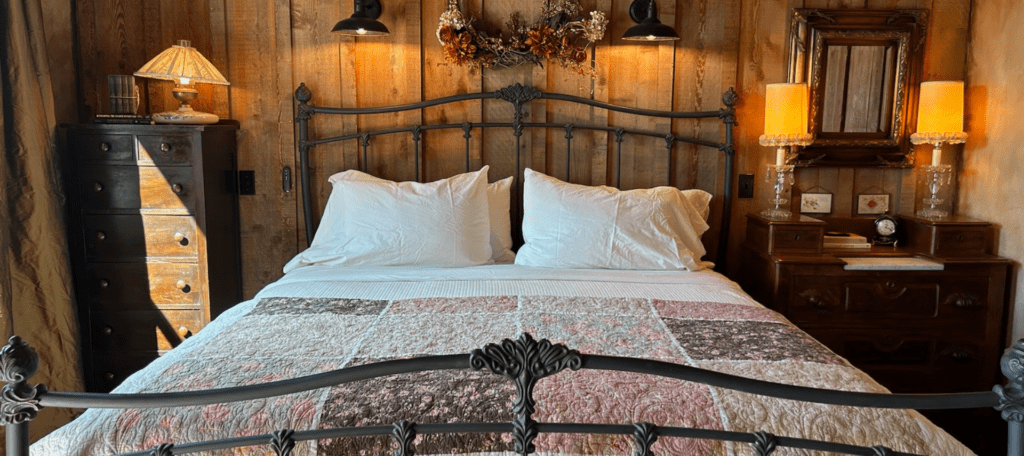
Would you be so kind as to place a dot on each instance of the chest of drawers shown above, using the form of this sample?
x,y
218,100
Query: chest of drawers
x,y
913,330
153,233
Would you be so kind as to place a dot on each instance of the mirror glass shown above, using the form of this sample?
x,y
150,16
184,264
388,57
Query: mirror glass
x,y
862,68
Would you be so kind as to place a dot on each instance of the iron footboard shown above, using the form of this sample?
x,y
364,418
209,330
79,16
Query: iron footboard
x,y
523,361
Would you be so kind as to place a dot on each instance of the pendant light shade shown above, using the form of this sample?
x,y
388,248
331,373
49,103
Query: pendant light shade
x,y
648,27
363,21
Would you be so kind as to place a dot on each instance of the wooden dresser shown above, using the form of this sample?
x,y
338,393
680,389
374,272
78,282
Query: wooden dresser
x,y
912,330
153,233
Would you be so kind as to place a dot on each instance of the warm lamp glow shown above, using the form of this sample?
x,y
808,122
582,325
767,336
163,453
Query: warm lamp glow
x,y
941,107
785,108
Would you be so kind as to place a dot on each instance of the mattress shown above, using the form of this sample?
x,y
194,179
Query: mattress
x,y
317,319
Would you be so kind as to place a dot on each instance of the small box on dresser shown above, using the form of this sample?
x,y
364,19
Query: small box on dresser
x,y
154,238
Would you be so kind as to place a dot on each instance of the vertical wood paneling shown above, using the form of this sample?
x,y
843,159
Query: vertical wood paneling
x,y
260,68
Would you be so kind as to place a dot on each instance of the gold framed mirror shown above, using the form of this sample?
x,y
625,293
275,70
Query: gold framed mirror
x,y
862,68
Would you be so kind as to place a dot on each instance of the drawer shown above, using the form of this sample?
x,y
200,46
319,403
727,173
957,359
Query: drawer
x,y
137,187
889,300
961,241
110,238
905,361
109,369
138,286
143,330
103,147
165,149
792,238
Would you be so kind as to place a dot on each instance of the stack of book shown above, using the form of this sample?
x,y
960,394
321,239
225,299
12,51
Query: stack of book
x,y
835,240
123,119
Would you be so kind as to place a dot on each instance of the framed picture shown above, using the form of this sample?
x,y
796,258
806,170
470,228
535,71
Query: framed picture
x,y
816,203
872,204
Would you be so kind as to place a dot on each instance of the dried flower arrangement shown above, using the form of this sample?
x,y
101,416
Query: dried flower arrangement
x,y
560,35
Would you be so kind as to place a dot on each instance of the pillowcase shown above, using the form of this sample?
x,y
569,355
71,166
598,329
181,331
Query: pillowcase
x,y
499,201
375,222
577,226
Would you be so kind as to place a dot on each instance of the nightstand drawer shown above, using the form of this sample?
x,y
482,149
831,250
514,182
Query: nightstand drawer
x,y
890,299
139,286
110,238
961,241
105,147
796,239
137,187
143,330
165,149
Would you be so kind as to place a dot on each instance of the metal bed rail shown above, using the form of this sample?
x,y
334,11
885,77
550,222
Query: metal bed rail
x,y
524,362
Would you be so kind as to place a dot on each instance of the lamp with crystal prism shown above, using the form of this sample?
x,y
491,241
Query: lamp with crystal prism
x,y
785,125
184,65
940,119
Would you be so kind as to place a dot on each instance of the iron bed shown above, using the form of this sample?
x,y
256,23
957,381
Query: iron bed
x,y
522,361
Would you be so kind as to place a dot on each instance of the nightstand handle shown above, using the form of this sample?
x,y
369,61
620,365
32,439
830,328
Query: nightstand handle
x,y
177,188
101,235
104,147
97,187
108,331
964,300
164,147
796,237
961,354
180,239
104,283
108,375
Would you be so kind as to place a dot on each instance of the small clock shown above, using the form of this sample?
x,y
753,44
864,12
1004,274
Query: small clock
x,y
885,230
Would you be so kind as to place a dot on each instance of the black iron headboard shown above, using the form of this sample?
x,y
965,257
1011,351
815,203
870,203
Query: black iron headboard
x,y
519,95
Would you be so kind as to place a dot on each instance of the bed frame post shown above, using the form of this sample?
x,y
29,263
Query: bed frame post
x,y
19,401
728,116
303,112
1011,397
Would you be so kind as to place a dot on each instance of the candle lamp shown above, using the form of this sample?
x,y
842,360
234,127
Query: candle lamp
x,y
940,119
785,126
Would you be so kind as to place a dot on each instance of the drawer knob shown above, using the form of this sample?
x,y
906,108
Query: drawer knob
x,y
97,187
180,239
108,331
104,147
104,283
183,286
108,376
961,354
964,300
177,188
796,237
164,147
100,235
960,237
184,332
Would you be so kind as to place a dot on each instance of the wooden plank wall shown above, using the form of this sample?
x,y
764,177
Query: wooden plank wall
x,y
267,48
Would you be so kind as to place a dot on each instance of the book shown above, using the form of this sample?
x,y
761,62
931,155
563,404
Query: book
x,y
122,119
833,237
847,245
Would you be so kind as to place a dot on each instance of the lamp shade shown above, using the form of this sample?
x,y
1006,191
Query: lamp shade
x,y
182,63
785,109
941,107
363,21
649,28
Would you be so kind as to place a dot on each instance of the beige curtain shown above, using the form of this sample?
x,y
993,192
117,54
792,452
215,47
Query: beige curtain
x,y
36,294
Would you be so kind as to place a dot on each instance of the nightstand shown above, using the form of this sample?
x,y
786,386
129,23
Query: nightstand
x,y
153,235
938,326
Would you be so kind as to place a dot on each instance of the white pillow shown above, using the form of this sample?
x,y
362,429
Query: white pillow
x,y
376,222
576,226
499,200
700,200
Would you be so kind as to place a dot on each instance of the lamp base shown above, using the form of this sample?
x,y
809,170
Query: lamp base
x,y
185,117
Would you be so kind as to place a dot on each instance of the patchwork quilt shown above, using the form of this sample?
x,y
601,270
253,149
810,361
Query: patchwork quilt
x,y
320,319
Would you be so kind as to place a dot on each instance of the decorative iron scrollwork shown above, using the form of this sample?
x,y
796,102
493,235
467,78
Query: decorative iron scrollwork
x,y
1011,395
764,443
729,99
404,433
163,449
524,361
517,94
644,435
19,401
282,442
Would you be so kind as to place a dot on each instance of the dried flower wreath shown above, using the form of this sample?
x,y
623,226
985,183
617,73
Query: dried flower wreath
x,y
560,35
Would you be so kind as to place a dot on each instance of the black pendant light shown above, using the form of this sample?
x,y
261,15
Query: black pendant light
x,y
648,27
363,21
